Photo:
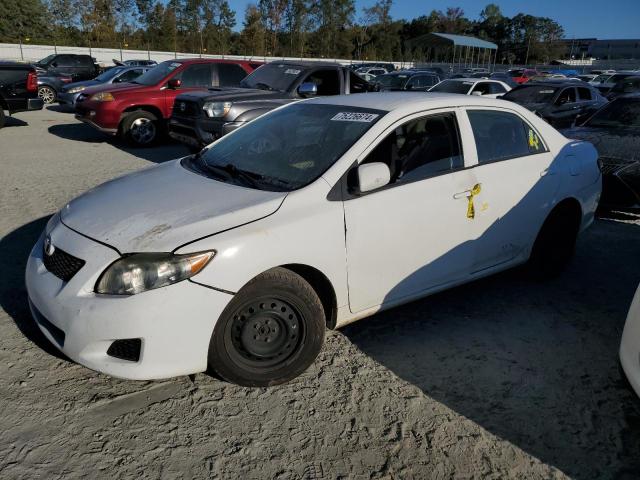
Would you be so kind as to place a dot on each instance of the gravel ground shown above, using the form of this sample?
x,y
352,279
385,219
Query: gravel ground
x,y
502,378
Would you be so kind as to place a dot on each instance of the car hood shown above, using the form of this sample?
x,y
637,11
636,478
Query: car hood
x,y
535,107
231,95
118,87
620,145
86,83
163,207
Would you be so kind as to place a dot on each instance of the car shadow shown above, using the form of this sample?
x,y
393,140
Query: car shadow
x,y
63,108
165,151
14,251
534,363
14,122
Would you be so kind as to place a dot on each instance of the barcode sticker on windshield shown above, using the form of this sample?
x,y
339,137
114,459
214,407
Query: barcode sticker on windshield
x,y
292,71
355,117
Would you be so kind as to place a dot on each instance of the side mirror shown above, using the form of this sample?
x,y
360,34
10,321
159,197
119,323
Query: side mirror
x,y
174,83
308,89
371,176
477,93
54,64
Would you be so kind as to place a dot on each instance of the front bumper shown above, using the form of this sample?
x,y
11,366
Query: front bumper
x,y
174,323
199,132
66,98
630,345
103,116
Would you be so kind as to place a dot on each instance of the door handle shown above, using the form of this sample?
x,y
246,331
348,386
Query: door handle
x,y
475,190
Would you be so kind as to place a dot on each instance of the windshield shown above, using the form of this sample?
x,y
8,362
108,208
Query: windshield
x,y
602,78
46,59
623,112
271,76
531,94
109,74
392,81
453,86
157,73
288,148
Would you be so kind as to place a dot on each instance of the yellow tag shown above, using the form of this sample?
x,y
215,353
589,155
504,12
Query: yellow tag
x,y
471,211
534,141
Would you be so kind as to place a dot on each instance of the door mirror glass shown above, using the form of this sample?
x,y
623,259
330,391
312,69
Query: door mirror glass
x,y
372,176
308,89
174,83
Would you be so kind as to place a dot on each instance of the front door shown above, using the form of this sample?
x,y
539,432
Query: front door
x,y
414,234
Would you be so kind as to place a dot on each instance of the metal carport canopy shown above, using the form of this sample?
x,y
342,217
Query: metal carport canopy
x,y
451,40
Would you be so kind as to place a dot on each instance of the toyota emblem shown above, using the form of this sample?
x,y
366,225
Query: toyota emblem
x,y
183,106
49,249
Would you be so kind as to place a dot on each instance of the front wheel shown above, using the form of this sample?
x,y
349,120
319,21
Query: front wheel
x,y
47,94
270,332
140,128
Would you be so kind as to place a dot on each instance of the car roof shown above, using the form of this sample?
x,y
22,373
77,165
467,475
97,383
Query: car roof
x,y
555,83
186,61
471,79
389,101
305,63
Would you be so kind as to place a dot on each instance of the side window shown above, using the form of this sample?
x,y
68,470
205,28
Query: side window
x,y
421,81
65,61
501,135
198,75
420,148
568,95
128,76
483,87
327,81
356,83
496,88
584,93
230,74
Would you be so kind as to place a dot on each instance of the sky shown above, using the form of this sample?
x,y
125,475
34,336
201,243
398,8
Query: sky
x,y
603,19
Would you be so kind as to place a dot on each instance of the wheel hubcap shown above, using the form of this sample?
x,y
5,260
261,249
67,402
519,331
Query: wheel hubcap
x,y
143,130
265,333
46,94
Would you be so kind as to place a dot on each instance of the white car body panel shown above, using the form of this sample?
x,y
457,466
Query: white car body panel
x,y
378,250
630,344
475,81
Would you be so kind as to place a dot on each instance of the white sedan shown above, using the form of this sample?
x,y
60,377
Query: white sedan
x,y
483,87
630,344
313,216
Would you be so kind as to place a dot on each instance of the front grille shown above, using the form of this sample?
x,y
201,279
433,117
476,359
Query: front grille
x,y
62,264
126,349
184,108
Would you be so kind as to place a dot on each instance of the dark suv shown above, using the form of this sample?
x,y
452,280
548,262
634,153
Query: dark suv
x,y
78,67
18,89
200,117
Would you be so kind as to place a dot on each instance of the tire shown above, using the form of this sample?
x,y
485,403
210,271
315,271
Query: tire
x,y
555,244
270,332
2,117
47,94
140,129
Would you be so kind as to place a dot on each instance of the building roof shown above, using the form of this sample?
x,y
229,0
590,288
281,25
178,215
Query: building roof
x,y
451,40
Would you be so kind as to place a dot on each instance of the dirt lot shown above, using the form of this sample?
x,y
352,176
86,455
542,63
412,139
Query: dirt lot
x,y
505,377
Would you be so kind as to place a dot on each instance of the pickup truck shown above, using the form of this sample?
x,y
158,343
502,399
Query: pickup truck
x,y
18,89
201,117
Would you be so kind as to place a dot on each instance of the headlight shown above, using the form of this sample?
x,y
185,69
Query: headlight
x,y
103,97
217,109
76,89
145,271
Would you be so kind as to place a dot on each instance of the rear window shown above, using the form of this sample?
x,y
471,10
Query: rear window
x,y
532,94
453,86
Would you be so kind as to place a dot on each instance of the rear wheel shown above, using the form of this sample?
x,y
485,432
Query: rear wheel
x,y
270,332
47,94
556,242
141,128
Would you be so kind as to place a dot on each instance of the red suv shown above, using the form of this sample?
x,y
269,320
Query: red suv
x,y
522,75
138,111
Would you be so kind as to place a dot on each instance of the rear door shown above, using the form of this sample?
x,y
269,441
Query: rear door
x,y
518,181
567,108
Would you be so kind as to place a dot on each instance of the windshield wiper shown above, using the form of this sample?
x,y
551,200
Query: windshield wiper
x,y
232,172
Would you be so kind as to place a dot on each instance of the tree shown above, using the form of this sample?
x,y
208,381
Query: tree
x,y
332,21
252,37
22,19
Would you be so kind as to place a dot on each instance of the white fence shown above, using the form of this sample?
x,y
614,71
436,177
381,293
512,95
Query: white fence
x,y
32,53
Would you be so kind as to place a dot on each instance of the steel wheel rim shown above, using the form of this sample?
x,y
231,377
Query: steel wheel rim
x,y
265,333
143,130
46,94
